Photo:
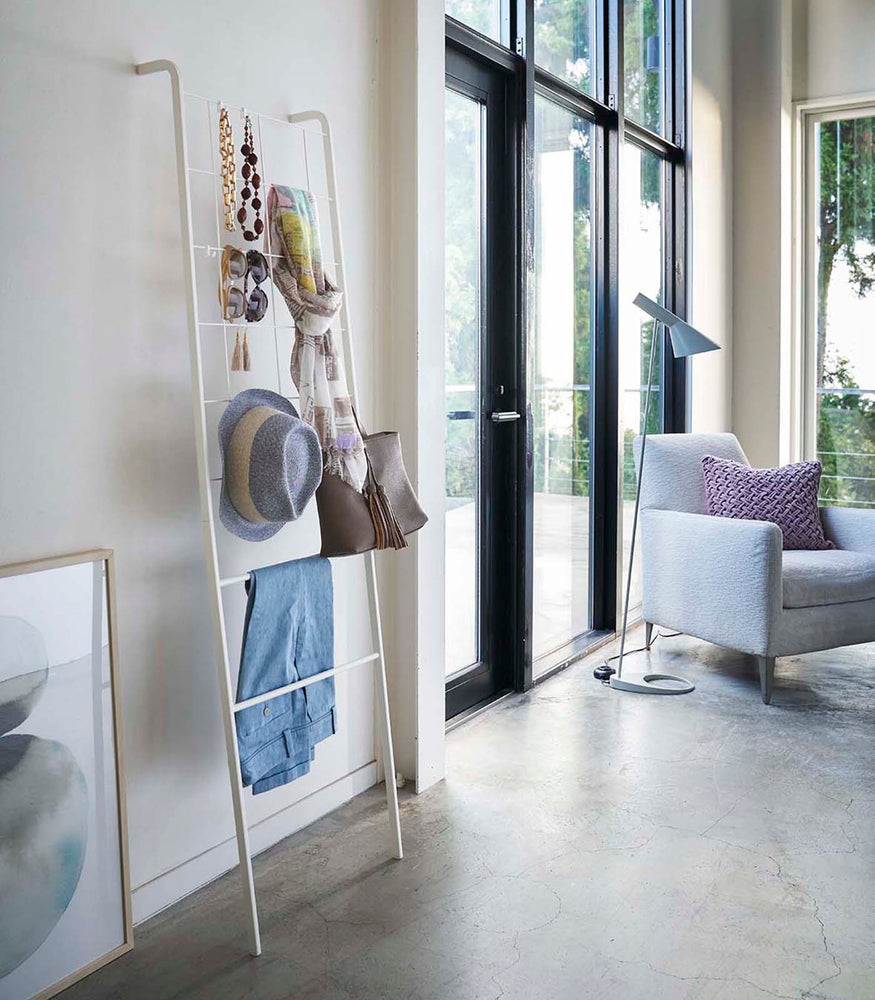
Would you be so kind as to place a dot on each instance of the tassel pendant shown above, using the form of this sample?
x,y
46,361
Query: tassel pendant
x,y
386,526
237,355
246,364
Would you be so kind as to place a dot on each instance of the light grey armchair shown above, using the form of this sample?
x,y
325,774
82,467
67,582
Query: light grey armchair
x,y
729,582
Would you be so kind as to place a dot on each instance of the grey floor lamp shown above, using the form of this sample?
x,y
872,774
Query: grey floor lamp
x,y
684,342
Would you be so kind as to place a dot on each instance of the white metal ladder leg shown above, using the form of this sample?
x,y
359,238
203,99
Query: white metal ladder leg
x,y
218,610
385,722
233,754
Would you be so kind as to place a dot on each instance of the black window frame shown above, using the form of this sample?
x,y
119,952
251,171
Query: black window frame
x,y
605,108
497,667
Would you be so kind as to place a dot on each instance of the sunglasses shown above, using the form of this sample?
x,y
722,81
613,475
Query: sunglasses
x,y
239,303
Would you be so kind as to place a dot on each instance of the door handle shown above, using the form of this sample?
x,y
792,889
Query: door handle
x,y
504,416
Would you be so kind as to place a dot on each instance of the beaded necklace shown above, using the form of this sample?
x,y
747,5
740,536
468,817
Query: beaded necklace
x,y
250,175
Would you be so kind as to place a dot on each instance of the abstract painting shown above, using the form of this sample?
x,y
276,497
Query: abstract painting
x,y
64,891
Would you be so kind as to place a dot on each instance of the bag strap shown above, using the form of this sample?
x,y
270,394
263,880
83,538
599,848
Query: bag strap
x,y
370,477
358,423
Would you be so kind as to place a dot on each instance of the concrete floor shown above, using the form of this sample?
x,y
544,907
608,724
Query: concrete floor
x,y
586,844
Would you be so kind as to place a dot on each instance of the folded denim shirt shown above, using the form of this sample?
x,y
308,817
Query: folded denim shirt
x,y
288,634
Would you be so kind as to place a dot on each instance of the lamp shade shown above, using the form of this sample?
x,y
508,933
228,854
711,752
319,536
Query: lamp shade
x,y
685,340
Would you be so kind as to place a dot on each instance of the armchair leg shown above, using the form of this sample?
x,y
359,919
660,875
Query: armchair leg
x,y
767,676
648,634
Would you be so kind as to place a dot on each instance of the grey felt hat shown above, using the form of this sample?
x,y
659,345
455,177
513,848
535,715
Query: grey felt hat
x,y
271,464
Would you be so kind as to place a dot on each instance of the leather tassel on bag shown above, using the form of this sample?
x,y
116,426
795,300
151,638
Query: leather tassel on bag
x,y
386,526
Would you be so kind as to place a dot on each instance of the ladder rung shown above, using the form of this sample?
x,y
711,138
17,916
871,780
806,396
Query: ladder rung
x,y
208,402
208,248
306,682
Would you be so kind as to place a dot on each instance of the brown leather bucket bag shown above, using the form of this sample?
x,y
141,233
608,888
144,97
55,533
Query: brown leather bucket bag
x,y
378,517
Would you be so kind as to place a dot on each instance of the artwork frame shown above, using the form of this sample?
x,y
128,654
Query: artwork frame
x,y
108,651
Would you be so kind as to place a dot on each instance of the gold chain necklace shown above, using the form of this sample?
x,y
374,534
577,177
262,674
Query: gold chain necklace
x,y
229,170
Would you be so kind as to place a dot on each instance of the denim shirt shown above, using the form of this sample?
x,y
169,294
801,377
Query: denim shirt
x,y
288,634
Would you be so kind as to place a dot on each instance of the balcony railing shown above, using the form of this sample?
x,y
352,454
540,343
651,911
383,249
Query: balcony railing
x,y
563,471
849,476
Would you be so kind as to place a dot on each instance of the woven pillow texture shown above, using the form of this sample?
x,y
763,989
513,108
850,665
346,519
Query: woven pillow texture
x,y
786,496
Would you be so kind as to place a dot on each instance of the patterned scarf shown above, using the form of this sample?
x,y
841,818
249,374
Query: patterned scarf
x,y
317,357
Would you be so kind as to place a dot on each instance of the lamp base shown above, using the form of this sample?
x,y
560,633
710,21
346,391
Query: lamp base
x,y
643,684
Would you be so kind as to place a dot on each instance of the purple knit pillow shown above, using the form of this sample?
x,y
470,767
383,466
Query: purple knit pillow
x,y
785,496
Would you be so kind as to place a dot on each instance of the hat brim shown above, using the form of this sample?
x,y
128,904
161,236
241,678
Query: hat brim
x,y
232,519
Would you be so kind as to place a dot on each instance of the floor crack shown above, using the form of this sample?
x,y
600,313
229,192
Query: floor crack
x,y
810,991
706,979
494,977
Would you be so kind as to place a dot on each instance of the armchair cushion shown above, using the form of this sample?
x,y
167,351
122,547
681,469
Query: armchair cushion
x,y
812,579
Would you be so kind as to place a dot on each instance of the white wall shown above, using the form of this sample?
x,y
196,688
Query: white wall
x,y
760,162
412,207
96,429
784,50
834,48
831,59
711,207
397,408
431,401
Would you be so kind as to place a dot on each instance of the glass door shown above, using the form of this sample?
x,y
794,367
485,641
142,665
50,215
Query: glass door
x,y
562,381
565,197
482,420
463,327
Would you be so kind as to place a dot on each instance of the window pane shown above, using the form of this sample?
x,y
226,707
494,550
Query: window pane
x,y
845,310
641,270
565,40
462,324
644,57
481,15
561,370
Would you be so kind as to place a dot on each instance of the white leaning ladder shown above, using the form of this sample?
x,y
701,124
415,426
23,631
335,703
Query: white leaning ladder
x,y
229,707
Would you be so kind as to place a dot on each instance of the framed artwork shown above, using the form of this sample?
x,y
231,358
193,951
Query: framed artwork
x,y
65,902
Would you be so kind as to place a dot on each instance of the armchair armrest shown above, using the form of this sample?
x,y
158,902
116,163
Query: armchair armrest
x,y
716,578
849,527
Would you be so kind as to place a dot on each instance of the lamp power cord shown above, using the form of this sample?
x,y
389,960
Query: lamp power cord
x,y
604,671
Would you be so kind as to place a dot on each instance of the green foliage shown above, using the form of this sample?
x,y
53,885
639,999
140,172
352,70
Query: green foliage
x,y
462,299
846,438
846,421
567,452
563,40
847,200
477,14
642,86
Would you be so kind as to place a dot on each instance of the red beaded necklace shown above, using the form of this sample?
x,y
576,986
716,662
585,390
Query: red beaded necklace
x,y
250,176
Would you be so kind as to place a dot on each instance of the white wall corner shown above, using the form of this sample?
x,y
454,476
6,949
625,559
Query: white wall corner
x,y
789,443
710,210
431,415
411,210
758,218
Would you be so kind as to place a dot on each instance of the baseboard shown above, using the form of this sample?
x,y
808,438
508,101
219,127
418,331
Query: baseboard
x,y
171,886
